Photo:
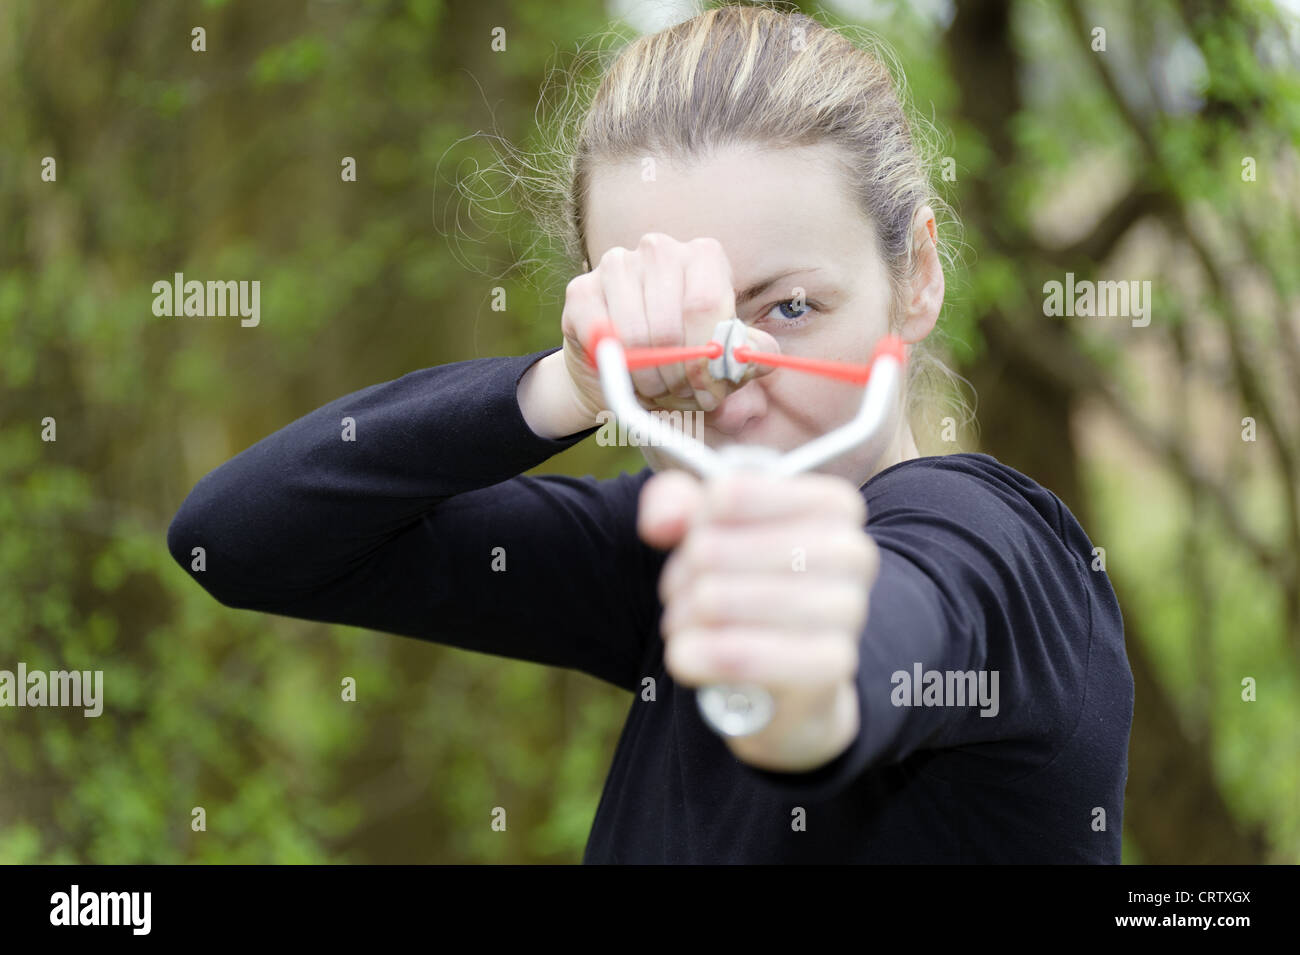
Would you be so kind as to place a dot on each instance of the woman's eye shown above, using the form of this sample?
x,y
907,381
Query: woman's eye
x,y
791,311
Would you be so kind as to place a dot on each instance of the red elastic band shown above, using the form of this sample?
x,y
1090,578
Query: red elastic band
x,y
890,345
599,332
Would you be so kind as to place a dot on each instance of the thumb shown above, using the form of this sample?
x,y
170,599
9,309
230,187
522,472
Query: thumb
x,y
759,340
668,501
721,388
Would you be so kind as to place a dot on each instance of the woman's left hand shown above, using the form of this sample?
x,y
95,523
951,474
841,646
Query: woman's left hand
x,y
768,584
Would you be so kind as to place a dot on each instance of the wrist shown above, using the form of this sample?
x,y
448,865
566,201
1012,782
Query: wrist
x,y
547,400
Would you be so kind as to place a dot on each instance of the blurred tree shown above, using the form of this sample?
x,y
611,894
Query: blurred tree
x,y
1034,375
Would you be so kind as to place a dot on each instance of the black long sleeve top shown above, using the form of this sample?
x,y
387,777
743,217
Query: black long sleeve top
x,y
984,575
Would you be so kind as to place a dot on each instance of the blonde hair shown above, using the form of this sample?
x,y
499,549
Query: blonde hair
x,y
743,74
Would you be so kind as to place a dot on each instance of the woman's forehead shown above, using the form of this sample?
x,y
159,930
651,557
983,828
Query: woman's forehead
x,y
770,209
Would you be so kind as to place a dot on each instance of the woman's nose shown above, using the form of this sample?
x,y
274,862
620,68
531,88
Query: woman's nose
x,y
739,408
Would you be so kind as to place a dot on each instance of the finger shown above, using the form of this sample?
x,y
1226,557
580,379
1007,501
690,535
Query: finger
x,y
707,298
751,497
770,658
725,600
667,504
718,389
673,403
805,550
663,278
759,340
620,280
584,308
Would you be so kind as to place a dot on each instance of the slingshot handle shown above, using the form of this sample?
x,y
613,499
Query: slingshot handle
x,y
745,709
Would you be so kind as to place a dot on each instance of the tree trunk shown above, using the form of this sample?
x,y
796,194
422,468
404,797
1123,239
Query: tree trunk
x,y
1025,419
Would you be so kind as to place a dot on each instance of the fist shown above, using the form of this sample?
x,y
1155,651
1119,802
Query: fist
x,y
663,293
767,583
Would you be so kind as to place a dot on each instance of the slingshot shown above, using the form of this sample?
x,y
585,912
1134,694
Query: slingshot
x,y
742,710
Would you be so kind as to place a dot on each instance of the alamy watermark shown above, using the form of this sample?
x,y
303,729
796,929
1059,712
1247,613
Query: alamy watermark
x,y
946,688
83,688
676,427
75,907
1089,299
194,298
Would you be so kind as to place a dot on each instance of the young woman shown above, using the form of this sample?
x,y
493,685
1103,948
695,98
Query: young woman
x,y
949,675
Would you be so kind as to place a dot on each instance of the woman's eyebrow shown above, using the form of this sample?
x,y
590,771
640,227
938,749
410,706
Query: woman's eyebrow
x,y
758,288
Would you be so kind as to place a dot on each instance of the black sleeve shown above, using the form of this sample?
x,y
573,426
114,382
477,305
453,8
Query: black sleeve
x,y
973,577
424,525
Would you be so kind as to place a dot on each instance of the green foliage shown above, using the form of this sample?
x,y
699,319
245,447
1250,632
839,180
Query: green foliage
x,y
1204,659
226,164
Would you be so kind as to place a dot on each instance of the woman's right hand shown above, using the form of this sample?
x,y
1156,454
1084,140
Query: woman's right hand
x,y
665,293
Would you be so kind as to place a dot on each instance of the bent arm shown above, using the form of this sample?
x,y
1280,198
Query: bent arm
x,y
402,507
977,630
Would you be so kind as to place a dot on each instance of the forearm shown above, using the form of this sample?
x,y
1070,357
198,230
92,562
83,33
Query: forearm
x,y
302,505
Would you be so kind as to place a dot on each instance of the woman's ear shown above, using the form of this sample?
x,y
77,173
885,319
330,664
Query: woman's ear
x,y
925,295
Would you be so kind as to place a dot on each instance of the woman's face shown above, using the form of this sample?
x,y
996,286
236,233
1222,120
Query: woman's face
x,y
790,229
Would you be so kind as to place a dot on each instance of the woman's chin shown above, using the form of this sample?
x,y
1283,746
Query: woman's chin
x,y
753,434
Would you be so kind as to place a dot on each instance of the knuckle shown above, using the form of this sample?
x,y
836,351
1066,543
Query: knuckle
x,y
676,656
859,509
706,244
858,605
702,301
684,557
666,597
846,659
672,662
656,242
872,555
578,288
710,250
634,336
709,599
573,323
697,373
838,605
664,334
701,550
859,556
614,257
848,498
852,604
673,571
853,499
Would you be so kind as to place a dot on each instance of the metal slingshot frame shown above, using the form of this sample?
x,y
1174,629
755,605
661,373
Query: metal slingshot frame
x,y
745,709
